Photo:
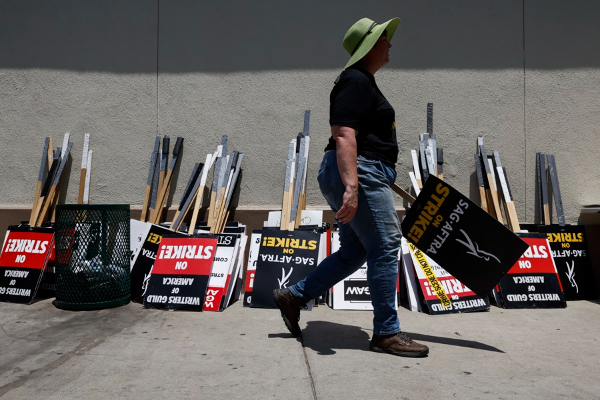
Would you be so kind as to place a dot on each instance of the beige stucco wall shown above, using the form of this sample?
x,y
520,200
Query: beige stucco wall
x,y
524,74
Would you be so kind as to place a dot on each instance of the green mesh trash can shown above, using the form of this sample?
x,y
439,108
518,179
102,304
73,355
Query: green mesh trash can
x,y
92,256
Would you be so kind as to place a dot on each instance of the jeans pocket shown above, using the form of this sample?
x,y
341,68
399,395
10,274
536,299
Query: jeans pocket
x,y
366,161
370,169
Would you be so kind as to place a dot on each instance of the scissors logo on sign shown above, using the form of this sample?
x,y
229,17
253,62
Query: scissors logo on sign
x,y
571,275
283,282
474,247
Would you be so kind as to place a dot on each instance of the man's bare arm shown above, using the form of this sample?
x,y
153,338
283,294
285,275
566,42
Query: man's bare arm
x,y
345,138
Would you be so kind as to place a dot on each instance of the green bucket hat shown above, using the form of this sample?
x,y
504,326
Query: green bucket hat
x,y
362,36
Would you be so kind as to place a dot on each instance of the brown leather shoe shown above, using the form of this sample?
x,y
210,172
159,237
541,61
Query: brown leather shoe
x,y
399,345
290,306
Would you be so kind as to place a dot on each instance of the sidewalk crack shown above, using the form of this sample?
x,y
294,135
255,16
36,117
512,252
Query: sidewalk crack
x,y
310,377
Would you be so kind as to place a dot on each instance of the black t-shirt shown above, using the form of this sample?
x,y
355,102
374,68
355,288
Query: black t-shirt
x,y
357,102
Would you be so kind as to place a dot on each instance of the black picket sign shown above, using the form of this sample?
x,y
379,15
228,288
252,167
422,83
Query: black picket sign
x,y
571,256
140,271
462,238
284,258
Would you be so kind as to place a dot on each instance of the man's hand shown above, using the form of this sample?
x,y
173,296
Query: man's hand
x,y
349,205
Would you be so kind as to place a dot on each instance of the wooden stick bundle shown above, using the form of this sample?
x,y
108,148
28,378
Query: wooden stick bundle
x,y
427,160
38,189
440,163
431,156
489,181
481,183
232,180
84,167
217,178
403,193
56,198
88,176
224,177
299,172
544,209
186,199
210,158
164,188
294,188
306,133
286,207
509,205
151,179
49,194
164,161
560,214
416,172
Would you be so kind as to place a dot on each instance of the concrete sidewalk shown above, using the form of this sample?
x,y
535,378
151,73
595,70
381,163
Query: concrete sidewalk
x,y
134,353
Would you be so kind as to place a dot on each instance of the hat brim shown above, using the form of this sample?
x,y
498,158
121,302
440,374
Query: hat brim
x,y
369,41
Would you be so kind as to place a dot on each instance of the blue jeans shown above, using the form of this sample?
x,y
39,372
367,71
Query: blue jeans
x,y
373,236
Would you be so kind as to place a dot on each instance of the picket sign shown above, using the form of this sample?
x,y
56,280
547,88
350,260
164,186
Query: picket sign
x,y
225,276
279,258
180,273
462,238
253,251
353,292
146,238
569,247
284,258
25,255
438,290
224,267
533,281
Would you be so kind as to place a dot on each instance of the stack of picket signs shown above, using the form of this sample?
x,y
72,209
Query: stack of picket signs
x,y
174,270
557,267
442,210
196,265
51,180
226,172
293,241
294,188
27,261
515,265
455,253
568,243
533,282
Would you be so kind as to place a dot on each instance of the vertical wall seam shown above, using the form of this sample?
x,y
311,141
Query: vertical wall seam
x,y
157,55
524,115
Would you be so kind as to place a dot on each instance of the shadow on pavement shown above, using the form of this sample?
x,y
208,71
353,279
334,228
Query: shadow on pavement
x,y
326,337
323,337
453,342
